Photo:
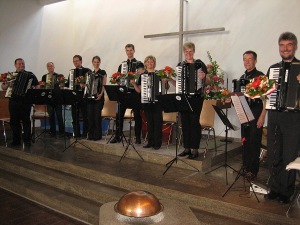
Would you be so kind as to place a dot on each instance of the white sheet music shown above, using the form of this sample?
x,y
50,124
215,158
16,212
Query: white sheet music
x,y
242,109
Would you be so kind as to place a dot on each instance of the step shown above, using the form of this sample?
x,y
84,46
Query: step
x,y
167,187
62,202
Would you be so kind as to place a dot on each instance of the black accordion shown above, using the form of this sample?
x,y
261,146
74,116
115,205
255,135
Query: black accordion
x,y
150,87
187,80
287,94
22,83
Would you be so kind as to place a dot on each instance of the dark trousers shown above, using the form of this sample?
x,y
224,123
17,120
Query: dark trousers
x,y
76,109
94,110
154,124
283,148
137,121
55,111
252,144
191,128
20,116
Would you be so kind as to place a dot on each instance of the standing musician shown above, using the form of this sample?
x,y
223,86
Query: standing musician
x,y
81,105
153,111
129,49
95,99
283,133
253,132
191,127
54,108
19,110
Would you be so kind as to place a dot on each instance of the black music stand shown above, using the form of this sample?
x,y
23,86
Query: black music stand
x,y
131,100
175,103
228,126
39,97
117,93
71,97
245,116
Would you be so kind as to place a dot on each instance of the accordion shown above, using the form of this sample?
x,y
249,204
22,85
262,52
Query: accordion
x,y
20,85
125,68
91,86
287,94
187,79
150,87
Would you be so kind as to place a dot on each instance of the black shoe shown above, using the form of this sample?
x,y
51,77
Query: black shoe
x,y
185,153
156,147
90,138
272,195
193,156
138,141
115,140
149,145
283,199
15,144
27,143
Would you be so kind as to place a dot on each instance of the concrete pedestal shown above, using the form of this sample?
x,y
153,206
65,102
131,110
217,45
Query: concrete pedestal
x,y
174,213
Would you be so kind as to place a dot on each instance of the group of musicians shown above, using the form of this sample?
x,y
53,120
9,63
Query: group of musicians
x,y
283,126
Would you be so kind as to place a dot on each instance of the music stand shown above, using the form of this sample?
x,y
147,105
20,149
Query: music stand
x,y
175,103
228,126
131,100
117,93
71,97
39,97
245,115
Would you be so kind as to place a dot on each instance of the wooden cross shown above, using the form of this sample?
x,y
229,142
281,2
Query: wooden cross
x,y
181,32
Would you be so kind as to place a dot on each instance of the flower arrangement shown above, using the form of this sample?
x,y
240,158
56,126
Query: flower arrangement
x,y
131,75
167,72
214,89
116,78
5,77
61,79
260,86
80,80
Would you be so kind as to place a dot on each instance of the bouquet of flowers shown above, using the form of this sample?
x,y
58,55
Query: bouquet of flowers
x,y
167,72
259,86
42,84
131,75
5,77
214,89
116,78
80,80
61,79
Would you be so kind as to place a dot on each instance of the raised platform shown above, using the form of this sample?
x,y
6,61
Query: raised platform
x,y
78,181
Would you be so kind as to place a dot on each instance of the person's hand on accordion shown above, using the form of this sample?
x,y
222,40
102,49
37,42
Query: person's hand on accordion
x,y
298,78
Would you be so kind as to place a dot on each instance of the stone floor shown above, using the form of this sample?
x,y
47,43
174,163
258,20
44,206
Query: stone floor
x,y
212,185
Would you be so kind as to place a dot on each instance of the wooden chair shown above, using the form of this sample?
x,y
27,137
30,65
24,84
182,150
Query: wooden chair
x,y
207,120
4,114
170,119
39,113
109,113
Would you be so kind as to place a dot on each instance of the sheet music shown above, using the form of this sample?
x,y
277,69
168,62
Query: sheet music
x,y
242,109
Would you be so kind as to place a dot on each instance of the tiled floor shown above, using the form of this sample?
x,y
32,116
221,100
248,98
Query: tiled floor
x,y
15,210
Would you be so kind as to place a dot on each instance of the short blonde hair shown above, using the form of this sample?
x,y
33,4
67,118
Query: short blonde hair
x,y
188,45
151,57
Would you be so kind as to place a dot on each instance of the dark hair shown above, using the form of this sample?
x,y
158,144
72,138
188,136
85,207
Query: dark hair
x,y
78,56
18,60
96,57
251,52
129,46
288,36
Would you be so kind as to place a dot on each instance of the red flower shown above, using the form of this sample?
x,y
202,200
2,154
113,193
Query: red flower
x,y
256,82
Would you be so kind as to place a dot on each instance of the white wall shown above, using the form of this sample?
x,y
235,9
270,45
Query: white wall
x,y
102,27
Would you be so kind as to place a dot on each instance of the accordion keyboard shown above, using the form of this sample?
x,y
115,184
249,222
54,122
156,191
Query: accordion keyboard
x,y
271,101
179,80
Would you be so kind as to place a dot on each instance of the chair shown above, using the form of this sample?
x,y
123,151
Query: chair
x,y
207,119
169,119
39,113
295,165
4,114
109,112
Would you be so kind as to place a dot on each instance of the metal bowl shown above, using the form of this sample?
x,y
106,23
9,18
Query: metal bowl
x,y
138,204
